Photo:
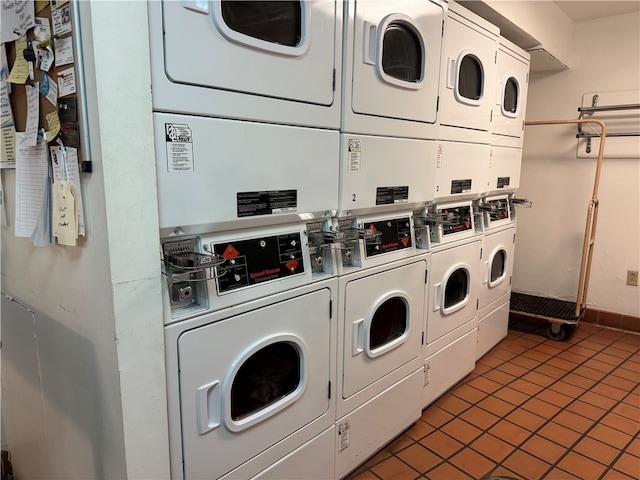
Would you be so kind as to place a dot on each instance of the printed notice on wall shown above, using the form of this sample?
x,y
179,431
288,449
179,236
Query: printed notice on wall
x,y
179,147
17,17
355,151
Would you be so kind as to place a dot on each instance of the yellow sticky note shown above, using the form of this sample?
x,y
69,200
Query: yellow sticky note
x,y
20,70
54,125
65,214
40,5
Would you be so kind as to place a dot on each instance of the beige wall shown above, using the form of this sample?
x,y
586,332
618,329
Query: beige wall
x,y
83,364
605,58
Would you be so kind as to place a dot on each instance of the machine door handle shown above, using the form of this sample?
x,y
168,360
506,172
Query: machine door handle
x,y
358,337
451,72
208,407
437,293
369,44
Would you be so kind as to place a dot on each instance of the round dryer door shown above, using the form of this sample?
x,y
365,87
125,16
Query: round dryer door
x,y
511,97
498,270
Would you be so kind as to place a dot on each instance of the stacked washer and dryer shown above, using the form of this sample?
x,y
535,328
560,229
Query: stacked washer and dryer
x,y
332,190
248,148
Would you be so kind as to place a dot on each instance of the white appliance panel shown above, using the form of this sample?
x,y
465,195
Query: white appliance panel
x,y
470,43
491,329
453,288
210,358
212,173
364,297
512,86
461,170
385,173
504,169
375,88
497,265
369,427
448,366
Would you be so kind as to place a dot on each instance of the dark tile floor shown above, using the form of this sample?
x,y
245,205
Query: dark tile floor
x,y
533,408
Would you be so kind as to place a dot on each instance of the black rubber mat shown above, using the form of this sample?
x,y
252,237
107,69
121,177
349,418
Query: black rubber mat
x,y
543,307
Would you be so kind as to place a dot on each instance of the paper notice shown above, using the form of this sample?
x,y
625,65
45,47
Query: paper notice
x,y
49,88
66,168
20,70
33,113
61,20
53,123
31,179
7,127
17,17
65,214
42,29
66,82
64,51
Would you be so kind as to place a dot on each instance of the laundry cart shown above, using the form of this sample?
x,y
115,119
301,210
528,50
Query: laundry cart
x,y
561,313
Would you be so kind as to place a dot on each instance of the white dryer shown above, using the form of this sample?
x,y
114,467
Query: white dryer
x,y
512,86
461,171
497,268
380,331
218,174
392,67
250,335
468,72
276,62
380,174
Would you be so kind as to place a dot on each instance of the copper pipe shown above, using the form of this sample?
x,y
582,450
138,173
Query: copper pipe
x,y
592,210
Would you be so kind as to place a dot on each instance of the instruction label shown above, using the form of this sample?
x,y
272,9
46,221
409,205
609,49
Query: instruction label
x,y
355,152
179,139
503,182
271,202
344,430
461,186
392,195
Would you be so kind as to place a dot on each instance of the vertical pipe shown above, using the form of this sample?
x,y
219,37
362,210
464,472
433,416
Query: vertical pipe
x,y
82,89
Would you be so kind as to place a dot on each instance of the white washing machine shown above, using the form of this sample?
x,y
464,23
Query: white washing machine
x,y
468,73
505,164
452,303
380,331
392,67
512,86
251,354
497,267
379,174
218,174
276,62
461,171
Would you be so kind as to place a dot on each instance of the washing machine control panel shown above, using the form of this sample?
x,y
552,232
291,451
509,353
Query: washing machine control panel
x,y
394,234
258,260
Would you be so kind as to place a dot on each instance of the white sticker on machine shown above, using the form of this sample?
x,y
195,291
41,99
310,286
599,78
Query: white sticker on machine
x,y
344,429
179,141
355,151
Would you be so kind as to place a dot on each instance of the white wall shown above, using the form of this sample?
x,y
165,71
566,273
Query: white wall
x,y
83,358
606,58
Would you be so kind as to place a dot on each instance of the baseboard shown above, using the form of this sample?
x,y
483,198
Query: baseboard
x,y
630,323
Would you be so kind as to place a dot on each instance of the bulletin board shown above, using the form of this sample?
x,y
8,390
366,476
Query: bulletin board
x,y
42,135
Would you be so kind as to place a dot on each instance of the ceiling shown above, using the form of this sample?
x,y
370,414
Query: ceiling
x,y
592,9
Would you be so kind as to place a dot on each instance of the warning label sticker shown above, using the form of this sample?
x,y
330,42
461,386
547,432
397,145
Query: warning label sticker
x,y
503,182
461,186
270,202
344,429
179,141
392,195
355,150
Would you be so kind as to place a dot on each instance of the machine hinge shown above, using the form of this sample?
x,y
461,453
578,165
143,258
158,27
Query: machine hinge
x,y
426,276
510,279
423,338
442,33
477,304
527,79
330,309
495,58
334,80
329,392
514,238
491,117
481,254
438,104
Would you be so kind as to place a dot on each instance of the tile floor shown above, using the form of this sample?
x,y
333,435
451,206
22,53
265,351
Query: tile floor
x,y
533,408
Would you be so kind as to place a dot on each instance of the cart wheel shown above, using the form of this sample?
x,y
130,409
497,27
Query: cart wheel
x,y
556,332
